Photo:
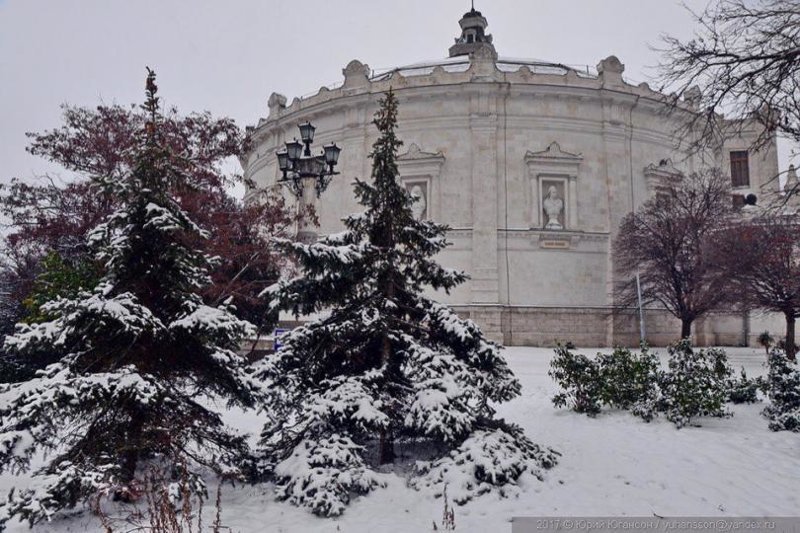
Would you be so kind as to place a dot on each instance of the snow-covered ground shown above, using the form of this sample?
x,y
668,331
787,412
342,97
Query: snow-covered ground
x,y
612,465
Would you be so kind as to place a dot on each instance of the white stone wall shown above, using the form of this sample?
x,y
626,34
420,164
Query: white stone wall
x,y
481,141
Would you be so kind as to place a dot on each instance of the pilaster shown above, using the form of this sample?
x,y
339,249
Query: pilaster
x,y
483,131
617,130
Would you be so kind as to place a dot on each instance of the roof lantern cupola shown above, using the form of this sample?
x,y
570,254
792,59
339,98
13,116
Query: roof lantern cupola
x,y
473,35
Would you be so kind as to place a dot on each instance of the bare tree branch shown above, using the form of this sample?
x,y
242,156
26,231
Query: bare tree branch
x,y
745,61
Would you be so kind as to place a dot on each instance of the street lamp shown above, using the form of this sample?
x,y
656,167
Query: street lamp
x,y
298,165
301,170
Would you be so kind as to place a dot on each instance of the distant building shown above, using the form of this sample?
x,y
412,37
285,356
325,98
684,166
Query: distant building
x,y
532,164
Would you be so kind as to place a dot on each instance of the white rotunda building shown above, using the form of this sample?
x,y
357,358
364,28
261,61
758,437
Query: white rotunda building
x,y
532,164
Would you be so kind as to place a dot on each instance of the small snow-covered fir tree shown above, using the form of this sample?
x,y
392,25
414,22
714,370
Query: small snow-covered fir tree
x,y
137,354
386,364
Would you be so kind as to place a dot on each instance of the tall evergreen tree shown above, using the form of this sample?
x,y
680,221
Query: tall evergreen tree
x,y
386,364
48,220
138,353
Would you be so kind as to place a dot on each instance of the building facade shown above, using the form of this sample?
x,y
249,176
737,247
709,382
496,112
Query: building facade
x,y
532,164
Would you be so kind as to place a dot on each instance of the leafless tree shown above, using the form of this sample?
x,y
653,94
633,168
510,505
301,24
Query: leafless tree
x,y
761,259
745,61
666,243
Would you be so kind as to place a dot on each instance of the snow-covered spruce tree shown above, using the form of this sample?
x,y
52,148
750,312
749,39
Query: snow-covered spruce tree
x,y
386,364
137,353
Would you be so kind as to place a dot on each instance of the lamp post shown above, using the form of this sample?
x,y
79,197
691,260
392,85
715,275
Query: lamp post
x,y
307,175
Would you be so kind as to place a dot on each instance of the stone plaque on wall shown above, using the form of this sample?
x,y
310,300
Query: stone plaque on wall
x,y
557,244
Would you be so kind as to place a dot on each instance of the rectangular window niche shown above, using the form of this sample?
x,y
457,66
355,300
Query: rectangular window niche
x,y
553,188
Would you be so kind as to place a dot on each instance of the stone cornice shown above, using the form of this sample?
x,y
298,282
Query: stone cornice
x,y
536,233
333,101
482,71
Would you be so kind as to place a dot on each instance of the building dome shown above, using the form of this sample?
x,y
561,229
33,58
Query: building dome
x,y
532,163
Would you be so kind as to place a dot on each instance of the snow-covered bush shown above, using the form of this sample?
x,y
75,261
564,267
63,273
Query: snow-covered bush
x,y
695,384
579,377
489,459
647,406
620,379
627,378
744,389
783,390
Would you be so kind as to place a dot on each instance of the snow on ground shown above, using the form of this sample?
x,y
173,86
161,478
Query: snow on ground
x,y
612,465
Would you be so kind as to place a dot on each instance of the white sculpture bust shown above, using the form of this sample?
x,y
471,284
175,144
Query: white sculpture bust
x,y
420,204
553,206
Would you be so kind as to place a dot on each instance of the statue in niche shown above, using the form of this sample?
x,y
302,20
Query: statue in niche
x,y
420,205
553,207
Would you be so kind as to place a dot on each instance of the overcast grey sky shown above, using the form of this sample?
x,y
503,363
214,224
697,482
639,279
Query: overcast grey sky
x,y
228,56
